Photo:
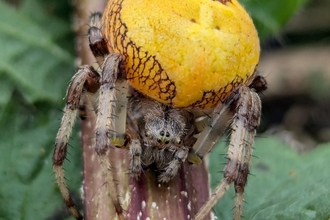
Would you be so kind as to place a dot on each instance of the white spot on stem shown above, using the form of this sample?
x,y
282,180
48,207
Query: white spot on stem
x,y
189,206
184,193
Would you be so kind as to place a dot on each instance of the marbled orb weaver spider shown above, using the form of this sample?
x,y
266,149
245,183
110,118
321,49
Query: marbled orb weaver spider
x,y
164,67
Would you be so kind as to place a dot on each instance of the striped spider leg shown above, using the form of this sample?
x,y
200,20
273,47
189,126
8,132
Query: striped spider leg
x,y
109,85
243,106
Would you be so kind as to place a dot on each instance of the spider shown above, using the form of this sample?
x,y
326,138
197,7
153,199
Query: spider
x,y
172,78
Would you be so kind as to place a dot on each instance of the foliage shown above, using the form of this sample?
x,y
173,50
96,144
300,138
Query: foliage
x,y
270,16
284,185
36,63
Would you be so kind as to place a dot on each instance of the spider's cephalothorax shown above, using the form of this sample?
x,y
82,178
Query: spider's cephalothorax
x,y
165,135
172,77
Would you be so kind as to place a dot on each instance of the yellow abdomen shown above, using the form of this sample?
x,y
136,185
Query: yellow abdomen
x,y
185,53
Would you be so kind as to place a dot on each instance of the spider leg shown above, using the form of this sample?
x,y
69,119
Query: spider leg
x,y
97,43
111,107
114,88
111,121
244,124
136,160
248,113
87,79
173,166
215,127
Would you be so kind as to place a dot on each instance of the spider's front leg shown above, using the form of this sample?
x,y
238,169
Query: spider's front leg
x,y
111,121
246,106
111,109
86,79
110,89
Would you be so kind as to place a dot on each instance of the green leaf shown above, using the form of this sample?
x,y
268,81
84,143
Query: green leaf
x,y
270,16
284,185
35,68
28,190
30,57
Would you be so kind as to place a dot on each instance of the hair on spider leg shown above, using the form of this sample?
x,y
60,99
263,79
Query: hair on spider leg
x,y
61,110
251,174
115,181
68,153
254,156
208,115
112,116
247,142
233,197
67,159
70,145
223,163
71,138
75,129
67,180
224,155
64,169
220,171
245,202
241,216
53,174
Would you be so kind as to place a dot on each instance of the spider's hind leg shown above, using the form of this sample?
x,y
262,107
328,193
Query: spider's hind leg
x,y
245,123
247,108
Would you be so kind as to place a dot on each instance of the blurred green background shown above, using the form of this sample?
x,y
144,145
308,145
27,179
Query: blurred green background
x,y
290,169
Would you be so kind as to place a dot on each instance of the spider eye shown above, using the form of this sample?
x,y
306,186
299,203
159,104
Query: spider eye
x,y
167,134
166,142
158,140
147,134
162,133
178,141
